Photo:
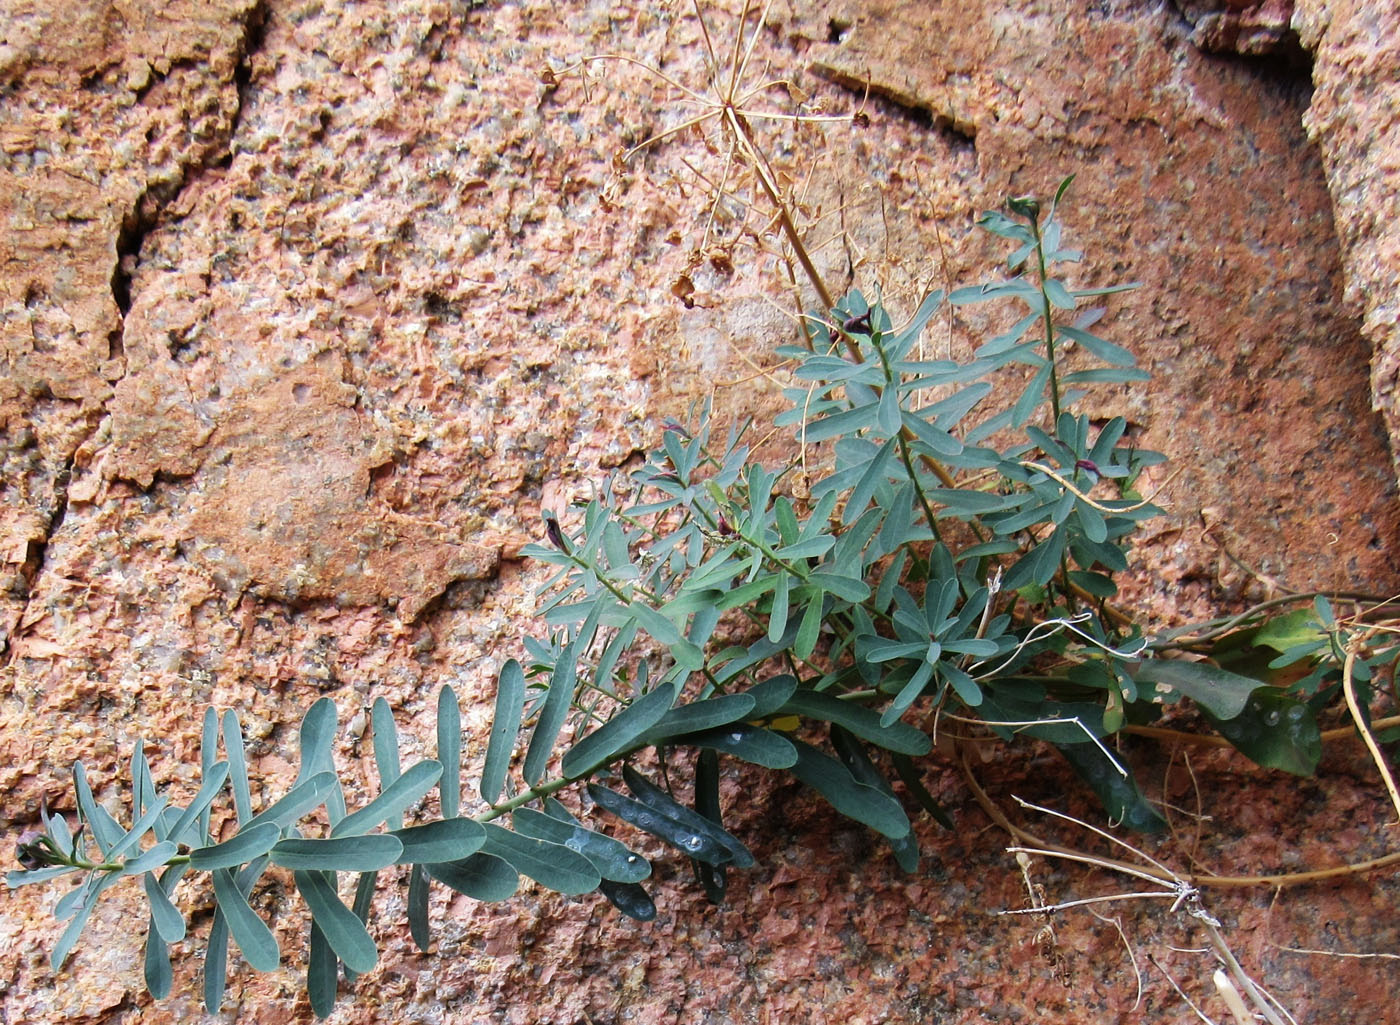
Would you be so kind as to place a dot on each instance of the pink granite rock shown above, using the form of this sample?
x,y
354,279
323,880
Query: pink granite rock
x,y
309,308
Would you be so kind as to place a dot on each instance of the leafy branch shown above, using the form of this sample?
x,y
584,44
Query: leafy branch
x,y
858,610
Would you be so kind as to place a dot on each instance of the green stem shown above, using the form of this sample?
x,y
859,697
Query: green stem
x,y
1047,314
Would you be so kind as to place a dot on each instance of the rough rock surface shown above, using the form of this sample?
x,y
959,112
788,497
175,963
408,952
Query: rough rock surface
x,y
307,309
1355,120
1179,160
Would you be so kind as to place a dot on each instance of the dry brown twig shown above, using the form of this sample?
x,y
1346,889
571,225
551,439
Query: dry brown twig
x,y
1233,981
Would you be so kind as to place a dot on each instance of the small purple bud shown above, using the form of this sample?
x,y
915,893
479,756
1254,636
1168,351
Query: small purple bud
x,y
556,536
1089,467
31,852
857,325
724,527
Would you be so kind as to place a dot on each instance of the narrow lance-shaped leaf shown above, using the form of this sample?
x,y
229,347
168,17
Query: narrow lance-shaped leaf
x,y
1116,787
165,926
914,784
154,857
620,732
551,719
75,927
238,767
104,830
549,864
701,715
386,749
857,762
317,737
629,898
445,840
208,756
208,790
806,641
712,877
863,722
418,907
510,701
480,876
249,931
449,750
751,743
396,797
322,973
610,857
339,854
216,948
851,798
344,932
702,844
246,845
321,788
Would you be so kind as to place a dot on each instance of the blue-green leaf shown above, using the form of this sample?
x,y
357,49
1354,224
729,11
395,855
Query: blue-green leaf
x,y
317,737
1275,730
481,876
150,859
1118,791
214,778
806,640
249,931
510,701
751,743
322,973
551,719
238,767
854,757
74,929
449,750
851,798
771,695
629,898
808,548
345,933
445,840
386,745
103,828
861,721
1221,693
610,857
654,623
392,801
619,733
550,864
339,854
418,907
701,715
939,441
248,844
323,787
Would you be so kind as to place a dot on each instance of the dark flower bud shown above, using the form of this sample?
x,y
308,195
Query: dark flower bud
x,y
1089,467
724,527
34,850
555,535
1025,206
857,325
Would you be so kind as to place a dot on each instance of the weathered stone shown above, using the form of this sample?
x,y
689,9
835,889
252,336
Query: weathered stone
x,y
1251,28
1180,160
409,299
1355,120
107,108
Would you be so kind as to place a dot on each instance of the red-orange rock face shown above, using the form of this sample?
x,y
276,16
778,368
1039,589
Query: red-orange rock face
x,y
307,309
